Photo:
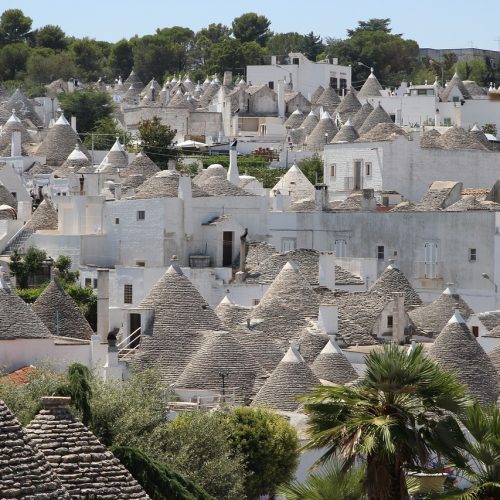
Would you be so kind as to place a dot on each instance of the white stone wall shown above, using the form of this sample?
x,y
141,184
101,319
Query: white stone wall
x,y
406,234
402,165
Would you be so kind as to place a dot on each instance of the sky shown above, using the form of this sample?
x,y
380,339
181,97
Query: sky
x,y
432,23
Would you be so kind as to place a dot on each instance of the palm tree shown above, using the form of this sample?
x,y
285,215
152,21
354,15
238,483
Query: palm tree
x,y
331,484
401,412
483,450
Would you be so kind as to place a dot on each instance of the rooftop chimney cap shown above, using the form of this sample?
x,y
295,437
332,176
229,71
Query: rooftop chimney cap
x,y
49,402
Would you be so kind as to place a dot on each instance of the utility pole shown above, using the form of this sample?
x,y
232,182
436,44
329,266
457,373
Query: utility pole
x,y
223,376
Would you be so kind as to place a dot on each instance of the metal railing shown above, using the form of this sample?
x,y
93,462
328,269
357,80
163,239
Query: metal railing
x,y
123,346
428,270
205,402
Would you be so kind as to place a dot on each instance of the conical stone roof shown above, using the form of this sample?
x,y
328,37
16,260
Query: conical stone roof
x,y
332,365
60,313
81,462
44,217
295,119
220,352
430,138
24,470
291,379
310,122
328,100
164,184
59,143
378,115
117,158
480,136
6,197
175,334
25,109
349,105
295,183
383,132
311,341
455,82
347,133
429,320
73,163
371,87
12,124
317,94
230,314
393,280
457,138
323,133
494,356
458,351
361,115
214,170
133,79
141,165
286,306
17,319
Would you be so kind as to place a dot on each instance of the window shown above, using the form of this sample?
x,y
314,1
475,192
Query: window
x,y
141,215
333,170
447,122
95,282
117,220
472,254
295,61
389,322
393,117
381,252
127,294
340,248
140,263
288,244
14,195
456,98
88,282
333,82
475,331
343,84
368,168
271,85
255,302
385,201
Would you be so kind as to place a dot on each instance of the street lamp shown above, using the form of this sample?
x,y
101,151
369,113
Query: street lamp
x,y
365,66
487,277
439,66
326,137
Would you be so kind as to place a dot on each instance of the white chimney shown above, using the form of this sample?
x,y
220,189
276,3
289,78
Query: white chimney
x,y
112,368
233,176
185,193
73,122
281,98
327,269
228,78
15,145
103,303
118,191
368,202
328,319
398,316
321,196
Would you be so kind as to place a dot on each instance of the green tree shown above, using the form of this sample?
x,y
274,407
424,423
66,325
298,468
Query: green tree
x,y
490,128
103,135
180,41
89,106
63,265
482,468
251,27
313,46
333,483
196,445
403,411
14,26
269,444
13,60
44,66
158,480
152,57
89,58
473,69
79,389
312,168
122,58
393,57
157,140
374,24
24,266
281,44
51,37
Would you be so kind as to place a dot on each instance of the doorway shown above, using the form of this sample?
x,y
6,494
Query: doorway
x,y
135,326
227,248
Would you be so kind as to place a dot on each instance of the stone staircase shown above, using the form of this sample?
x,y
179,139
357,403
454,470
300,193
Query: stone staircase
x,y
18,241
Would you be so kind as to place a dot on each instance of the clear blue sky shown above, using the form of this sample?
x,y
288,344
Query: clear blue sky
x,y
432,23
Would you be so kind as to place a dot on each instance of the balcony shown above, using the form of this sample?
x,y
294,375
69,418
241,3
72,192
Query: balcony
x,y
428,270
